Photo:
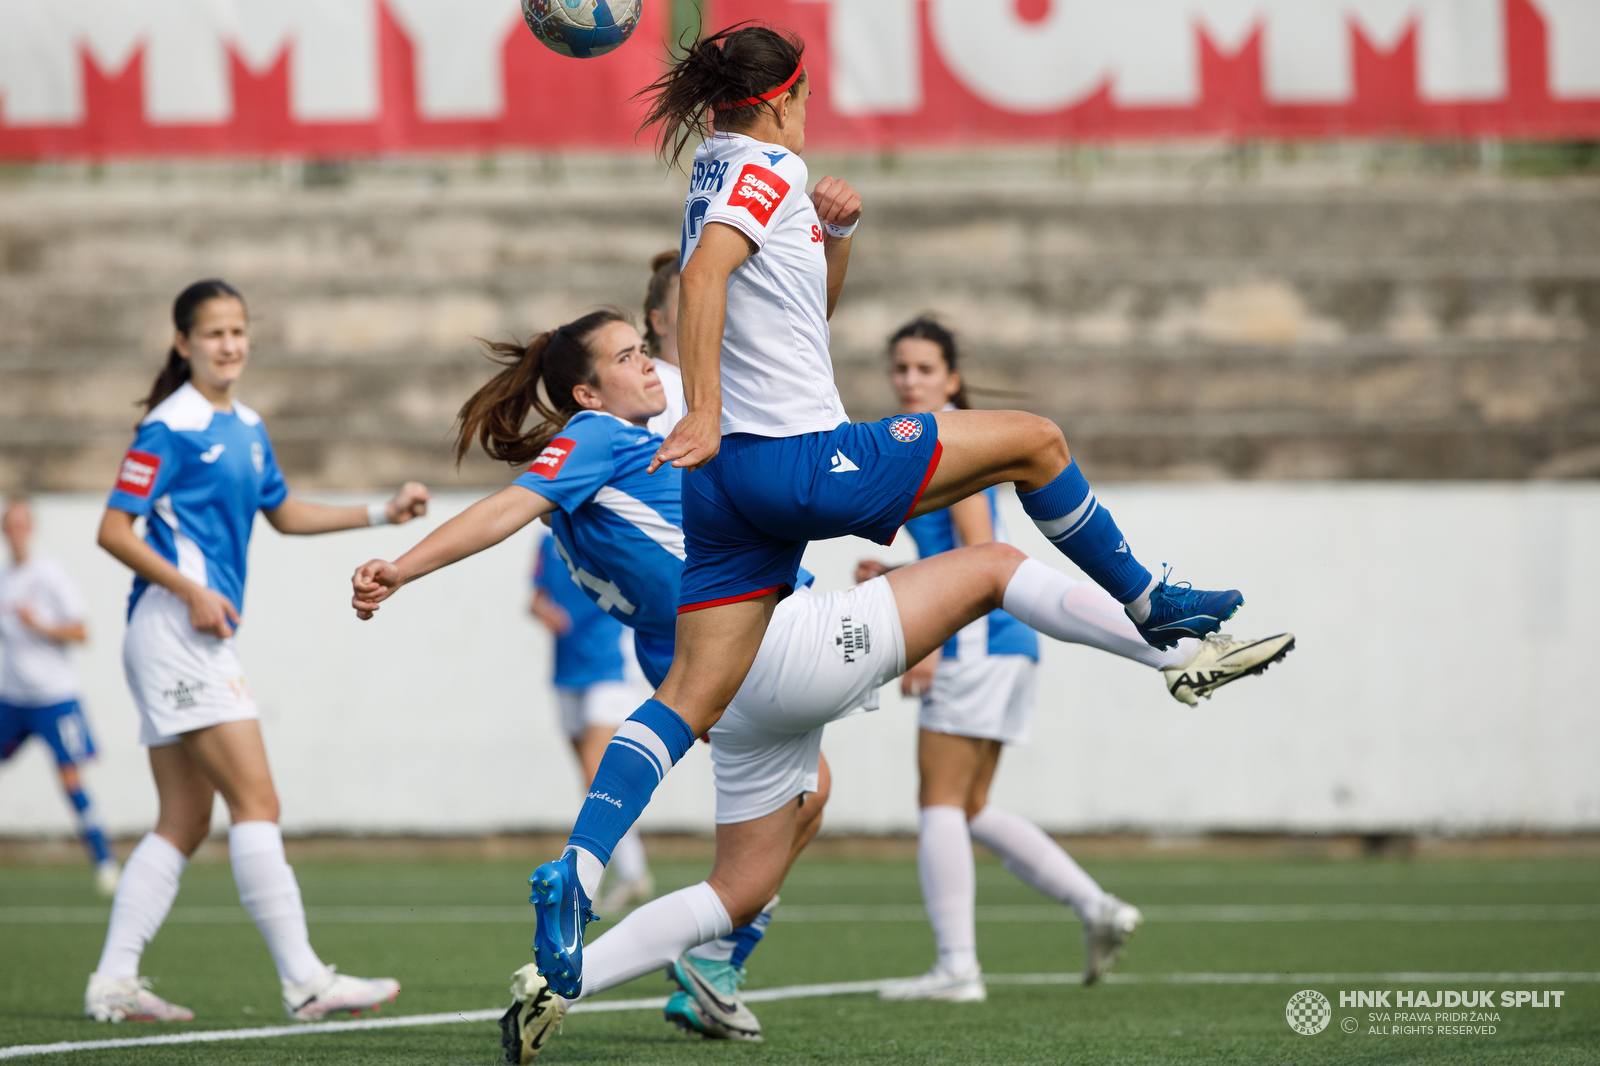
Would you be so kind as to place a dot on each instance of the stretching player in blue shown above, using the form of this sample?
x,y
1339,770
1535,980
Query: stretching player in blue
x,y
772,460
596,680
200,469
823,658
41,615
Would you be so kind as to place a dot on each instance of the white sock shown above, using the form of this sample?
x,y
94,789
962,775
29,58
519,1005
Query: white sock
x,y
653,935
722,948
271,895
144,896
1081,612
1139,610
1030,855
627,858
591,871
949,885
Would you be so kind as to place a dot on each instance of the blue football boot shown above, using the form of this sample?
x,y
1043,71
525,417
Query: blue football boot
x,y
563,911
1178,611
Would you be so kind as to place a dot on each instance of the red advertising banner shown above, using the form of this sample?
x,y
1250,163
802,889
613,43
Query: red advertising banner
x,y
110,78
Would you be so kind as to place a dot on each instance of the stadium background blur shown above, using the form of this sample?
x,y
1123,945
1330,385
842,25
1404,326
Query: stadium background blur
x,y
1313,289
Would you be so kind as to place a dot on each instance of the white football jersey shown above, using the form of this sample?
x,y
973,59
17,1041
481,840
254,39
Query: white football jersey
x,y
37,672
672,384
777,376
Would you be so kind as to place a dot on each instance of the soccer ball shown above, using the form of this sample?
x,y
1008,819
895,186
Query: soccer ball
x,y
582,29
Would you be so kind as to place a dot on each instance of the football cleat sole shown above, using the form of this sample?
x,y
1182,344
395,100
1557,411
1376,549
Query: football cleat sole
x,y
534,1015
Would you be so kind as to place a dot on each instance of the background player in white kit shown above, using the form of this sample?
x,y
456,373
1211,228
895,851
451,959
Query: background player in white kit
x,y
41,616
661,338
199,470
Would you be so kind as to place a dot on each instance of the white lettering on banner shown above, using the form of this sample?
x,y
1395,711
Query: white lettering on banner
x,y
333,53
458,47
1148,50
1574,44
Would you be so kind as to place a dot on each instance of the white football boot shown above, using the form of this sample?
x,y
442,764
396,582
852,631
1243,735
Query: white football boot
x,y
940,984
332,991
106,876
1106,936
625,894
534,1014
1219,660
129,999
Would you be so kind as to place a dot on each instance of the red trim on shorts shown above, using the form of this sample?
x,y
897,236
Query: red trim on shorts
x,y
933,465
724,601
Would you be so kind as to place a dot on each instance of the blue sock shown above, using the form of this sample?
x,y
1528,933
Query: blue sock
x,y
94,838
647,745
1067,513
748,936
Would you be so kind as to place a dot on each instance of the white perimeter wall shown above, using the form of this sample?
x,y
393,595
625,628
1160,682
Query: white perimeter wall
x,y
1440,682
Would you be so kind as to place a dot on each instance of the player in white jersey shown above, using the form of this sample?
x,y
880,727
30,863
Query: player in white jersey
x,y
772,460
41,616
200,469
977,695
823,657
661,338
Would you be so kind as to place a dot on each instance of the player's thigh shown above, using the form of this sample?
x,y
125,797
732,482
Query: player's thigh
x,y
988,763
939,595
947,765
983,448
715,647
233,757
752,858
590,747
185,797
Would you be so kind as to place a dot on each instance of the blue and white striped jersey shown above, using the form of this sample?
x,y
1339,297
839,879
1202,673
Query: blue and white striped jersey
x,y
996,633
200,475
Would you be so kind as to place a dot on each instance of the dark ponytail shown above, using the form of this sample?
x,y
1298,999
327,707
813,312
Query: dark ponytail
x,y
725,74
561,360
185,309
663,268
928,328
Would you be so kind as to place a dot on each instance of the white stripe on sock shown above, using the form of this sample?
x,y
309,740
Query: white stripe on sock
x,y
642,736
1067,524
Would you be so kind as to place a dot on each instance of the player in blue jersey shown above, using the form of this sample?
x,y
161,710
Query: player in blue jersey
x,y
823,657
200,469
41,616
772,460
977,695
596,679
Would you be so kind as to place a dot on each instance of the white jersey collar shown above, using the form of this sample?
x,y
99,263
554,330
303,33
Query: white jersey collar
x,y
186,410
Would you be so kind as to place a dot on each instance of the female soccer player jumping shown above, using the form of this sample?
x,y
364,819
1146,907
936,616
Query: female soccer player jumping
x,y
773,462
619,530
199,470
977,695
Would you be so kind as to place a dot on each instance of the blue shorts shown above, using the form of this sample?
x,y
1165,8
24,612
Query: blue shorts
x,y
60,725
749,513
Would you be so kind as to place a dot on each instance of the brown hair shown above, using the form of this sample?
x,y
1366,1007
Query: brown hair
x,y
561,360
185,309
663,268
928,328
734,65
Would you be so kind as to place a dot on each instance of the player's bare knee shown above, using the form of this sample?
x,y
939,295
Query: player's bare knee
x,y
999,562
1047,446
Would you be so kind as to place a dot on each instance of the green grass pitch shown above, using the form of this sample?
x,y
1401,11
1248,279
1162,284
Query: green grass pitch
x,y
210,959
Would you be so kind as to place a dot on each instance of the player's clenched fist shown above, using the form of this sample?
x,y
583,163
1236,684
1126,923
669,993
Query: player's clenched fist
x,y
373,583
836,202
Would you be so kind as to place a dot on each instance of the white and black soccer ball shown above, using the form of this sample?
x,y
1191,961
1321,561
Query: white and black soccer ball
x,y
582,29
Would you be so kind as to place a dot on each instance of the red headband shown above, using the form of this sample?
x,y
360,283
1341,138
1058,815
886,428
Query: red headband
x,y
764,97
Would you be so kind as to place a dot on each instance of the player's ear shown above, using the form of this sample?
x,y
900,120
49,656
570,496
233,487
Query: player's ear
x,y
587,396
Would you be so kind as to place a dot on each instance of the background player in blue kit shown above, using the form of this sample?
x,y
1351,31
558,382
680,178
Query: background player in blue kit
x,y
597,682
200,469
41,616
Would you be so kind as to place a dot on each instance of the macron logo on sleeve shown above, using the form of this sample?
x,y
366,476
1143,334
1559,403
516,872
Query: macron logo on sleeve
x,y
759,191
138,473
553,458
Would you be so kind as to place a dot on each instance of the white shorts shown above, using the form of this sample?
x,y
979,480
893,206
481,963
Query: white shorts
x,y
824,657
604,703
181,679
987,696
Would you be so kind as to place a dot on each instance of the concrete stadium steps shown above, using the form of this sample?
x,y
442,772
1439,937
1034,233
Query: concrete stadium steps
x,y
1404,329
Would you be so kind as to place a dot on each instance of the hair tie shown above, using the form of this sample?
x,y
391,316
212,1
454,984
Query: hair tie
x,y
766,96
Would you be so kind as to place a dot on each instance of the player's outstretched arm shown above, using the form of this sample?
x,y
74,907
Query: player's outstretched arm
x,y
483,525
702,312
837,204
297,517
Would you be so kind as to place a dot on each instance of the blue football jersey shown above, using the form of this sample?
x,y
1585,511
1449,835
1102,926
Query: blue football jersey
x,y
591,651
997,633
199,476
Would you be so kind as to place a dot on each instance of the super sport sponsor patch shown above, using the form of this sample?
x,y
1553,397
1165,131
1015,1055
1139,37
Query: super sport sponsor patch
x,y
905,430
759,191
138,473
553,458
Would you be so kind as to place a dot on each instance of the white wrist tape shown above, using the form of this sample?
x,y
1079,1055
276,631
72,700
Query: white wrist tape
x,y
377,514
841,231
